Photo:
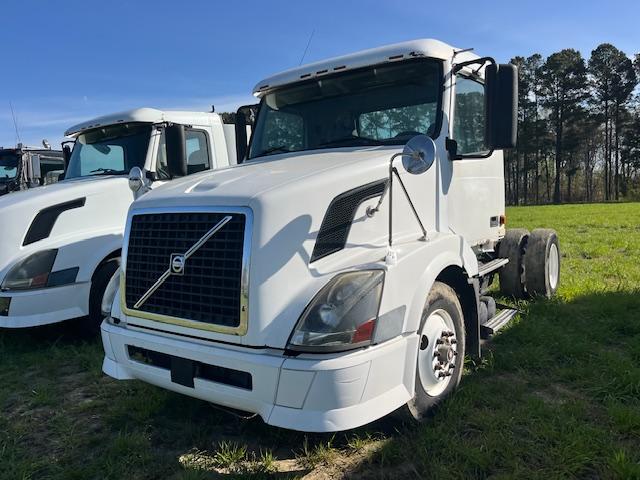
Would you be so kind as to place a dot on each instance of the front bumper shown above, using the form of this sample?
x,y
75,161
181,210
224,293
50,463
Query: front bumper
x,y
319,393
32,308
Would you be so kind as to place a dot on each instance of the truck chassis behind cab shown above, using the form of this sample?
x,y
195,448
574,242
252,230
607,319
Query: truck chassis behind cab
x,y
320,284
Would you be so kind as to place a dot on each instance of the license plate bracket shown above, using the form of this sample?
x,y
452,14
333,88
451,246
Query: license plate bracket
x,y
182,371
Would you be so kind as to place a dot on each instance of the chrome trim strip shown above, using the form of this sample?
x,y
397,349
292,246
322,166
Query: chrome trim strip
x,y
242,327
188,254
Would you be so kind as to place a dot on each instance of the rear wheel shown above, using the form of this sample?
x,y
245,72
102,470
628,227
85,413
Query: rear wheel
x,y
542,263
441,350
512,275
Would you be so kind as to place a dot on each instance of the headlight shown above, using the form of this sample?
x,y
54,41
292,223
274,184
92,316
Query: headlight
x,y
342,315
32,272
110,293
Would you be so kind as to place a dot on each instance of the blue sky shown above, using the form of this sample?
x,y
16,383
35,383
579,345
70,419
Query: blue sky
x,y
65,62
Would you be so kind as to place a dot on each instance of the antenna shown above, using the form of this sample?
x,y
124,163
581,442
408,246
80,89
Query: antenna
x,y
462,50
307,47
15,123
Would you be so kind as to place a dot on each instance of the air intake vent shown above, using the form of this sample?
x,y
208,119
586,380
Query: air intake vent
x,y
336,224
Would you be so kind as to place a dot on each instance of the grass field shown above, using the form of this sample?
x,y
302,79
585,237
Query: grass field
x,y
556,396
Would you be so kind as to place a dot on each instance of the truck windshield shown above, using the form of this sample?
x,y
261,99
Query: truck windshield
x,y
8,166
112,150
378,105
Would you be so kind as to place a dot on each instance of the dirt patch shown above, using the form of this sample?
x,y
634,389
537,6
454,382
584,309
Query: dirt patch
x,y
555,394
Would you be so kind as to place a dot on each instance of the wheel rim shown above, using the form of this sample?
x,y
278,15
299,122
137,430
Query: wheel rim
x,y
554,266
437,353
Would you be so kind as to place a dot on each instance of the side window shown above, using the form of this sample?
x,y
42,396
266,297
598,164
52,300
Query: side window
x,y
469,116
198,159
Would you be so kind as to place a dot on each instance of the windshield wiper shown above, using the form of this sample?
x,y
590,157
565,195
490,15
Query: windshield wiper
x,y
279,148
107,171
351,138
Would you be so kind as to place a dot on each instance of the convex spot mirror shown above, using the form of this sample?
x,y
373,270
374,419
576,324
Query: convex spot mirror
x,y
419,154
137,180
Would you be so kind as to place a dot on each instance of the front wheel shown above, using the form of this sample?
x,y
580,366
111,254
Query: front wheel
x,y
441,350
91,325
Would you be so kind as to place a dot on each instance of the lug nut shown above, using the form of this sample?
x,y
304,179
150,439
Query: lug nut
x,y
437,366
453,341
439,341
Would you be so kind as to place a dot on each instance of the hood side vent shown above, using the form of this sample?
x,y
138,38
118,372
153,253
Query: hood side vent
x,y
337,221
46,218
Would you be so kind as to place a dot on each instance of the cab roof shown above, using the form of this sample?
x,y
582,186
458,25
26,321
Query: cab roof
x,y
388,53
144,115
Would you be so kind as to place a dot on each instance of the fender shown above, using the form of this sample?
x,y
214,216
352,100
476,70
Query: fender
x,y
452,251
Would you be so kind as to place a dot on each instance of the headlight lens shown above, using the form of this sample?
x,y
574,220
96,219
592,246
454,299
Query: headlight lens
x,y
342,315
110,293
32,272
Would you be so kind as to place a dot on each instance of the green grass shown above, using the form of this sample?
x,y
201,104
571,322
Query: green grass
x,y
556,396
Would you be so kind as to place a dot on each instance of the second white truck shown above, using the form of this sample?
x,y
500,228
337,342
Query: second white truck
x,y
61,243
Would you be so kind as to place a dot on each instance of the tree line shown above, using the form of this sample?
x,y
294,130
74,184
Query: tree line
x,y
579,128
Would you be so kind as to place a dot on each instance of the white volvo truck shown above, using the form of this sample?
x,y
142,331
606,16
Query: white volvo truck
x,y
61,243
342,271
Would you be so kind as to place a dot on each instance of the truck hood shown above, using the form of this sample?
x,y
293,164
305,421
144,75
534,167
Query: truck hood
x,y
243,184
106,200
289,196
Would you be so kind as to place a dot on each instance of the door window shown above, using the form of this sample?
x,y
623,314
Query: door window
x,y
198,154
197,151
469,116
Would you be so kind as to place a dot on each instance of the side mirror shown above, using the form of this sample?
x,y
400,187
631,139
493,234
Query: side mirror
x,y
66,156
176,150
501,106
34,167
245,118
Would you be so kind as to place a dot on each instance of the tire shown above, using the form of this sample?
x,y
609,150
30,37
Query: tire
x,y
512,275
91,325
542,263
441,317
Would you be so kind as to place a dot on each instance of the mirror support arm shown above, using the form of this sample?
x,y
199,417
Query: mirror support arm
x,y
394,171
424,237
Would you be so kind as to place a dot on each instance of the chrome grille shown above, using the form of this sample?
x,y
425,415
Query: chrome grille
x,y
209,290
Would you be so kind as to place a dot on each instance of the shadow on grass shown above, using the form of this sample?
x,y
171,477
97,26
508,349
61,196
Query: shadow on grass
x,y
38,338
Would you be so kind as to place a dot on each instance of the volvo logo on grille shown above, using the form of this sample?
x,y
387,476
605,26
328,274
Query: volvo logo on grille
x,y
177,263
178,260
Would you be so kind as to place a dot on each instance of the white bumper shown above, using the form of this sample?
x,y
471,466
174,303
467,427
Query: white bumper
x,y
32,308
318,394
